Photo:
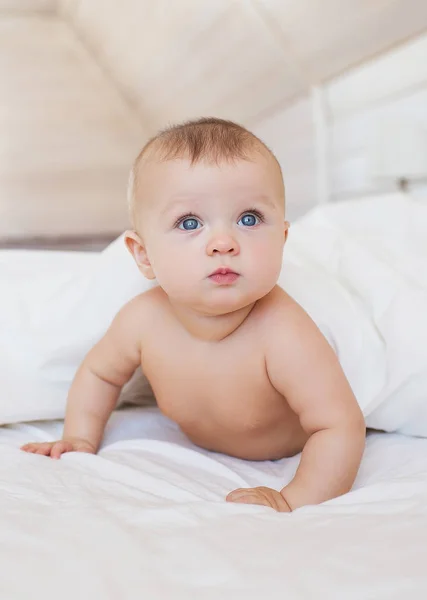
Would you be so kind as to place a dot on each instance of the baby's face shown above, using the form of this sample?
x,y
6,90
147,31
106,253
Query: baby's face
x,y
213,235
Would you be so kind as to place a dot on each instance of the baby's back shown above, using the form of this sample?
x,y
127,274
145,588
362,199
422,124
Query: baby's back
x,y
219,392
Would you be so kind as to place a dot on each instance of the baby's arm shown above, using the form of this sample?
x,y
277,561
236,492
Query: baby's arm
x,y
303,367
97,384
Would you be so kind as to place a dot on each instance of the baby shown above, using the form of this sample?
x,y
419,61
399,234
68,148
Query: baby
x,y
231,358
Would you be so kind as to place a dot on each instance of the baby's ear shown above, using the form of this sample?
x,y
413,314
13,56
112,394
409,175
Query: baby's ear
x,y
137,248
286,230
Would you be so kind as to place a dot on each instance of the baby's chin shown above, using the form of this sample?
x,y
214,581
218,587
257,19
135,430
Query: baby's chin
x,y
217,304
219,300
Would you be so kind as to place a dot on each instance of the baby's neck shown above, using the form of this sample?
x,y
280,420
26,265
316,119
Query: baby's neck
x,y
210,328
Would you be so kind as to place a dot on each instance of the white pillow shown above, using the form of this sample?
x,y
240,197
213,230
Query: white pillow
x,y
54,306
342,320
58,305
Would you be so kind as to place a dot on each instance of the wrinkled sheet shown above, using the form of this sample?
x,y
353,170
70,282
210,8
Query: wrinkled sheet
x,y
146,518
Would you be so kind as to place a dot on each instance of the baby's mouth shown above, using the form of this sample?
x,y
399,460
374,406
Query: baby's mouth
x,y
224,276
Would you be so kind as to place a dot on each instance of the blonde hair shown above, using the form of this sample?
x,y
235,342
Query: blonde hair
x,y
206,139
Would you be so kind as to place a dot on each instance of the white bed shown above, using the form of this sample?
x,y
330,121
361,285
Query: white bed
x,y
146,517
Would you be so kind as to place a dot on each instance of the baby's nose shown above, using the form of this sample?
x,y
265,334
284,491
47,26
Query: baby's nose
x,y
222,244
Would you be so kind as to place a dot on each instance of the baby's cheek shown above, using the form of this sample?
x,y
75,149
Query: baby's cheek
x,y
266,259
175,275
165,260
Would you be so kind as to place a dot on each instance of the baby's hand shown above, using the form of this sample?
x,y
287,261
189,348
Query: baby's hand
x,y
260,495
55,449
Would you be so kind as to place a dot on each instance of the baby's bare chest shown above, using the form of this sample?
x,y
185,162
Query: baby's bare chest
x,y
226,384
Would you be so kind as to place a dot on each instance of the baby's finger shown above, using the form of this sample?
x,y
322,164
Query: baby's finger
x,y
235,494
60,448
244,498
43,449
29,448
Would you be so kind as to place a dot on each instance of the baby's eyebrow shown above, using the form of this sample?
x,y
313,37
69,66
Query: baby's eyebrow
x,y
184,203
263,199
176,203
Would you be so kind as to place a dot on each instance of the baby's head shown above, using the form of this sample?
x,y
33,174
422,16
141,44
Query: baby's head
x,y
203,196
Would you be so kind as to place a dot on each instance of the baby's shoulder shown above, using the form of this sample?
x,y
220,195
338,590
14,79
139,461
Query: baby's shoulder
x,y
278,307
150,299
283,318
143,309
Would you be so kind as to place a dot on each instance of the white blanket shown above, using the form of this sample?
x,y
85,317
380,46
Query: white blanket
x,y
359,268
375,251
146,518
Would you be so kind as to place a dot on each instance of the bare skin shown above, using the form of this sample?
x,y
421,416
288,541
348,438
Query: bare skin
x,y
238,365
221,393
223,399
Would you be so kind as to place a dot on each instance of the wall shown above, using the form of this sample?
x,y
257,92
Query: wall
x,y
67,136
181,59
394,85
27,6
290,134
177,59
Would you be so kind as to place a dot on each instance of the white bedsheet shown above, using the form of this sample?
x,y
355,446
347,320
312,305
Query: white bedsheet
x,y
146,518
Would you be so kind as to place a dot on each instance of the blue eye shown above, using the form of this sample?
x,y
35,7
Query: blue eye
x,y
189,224
249,220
